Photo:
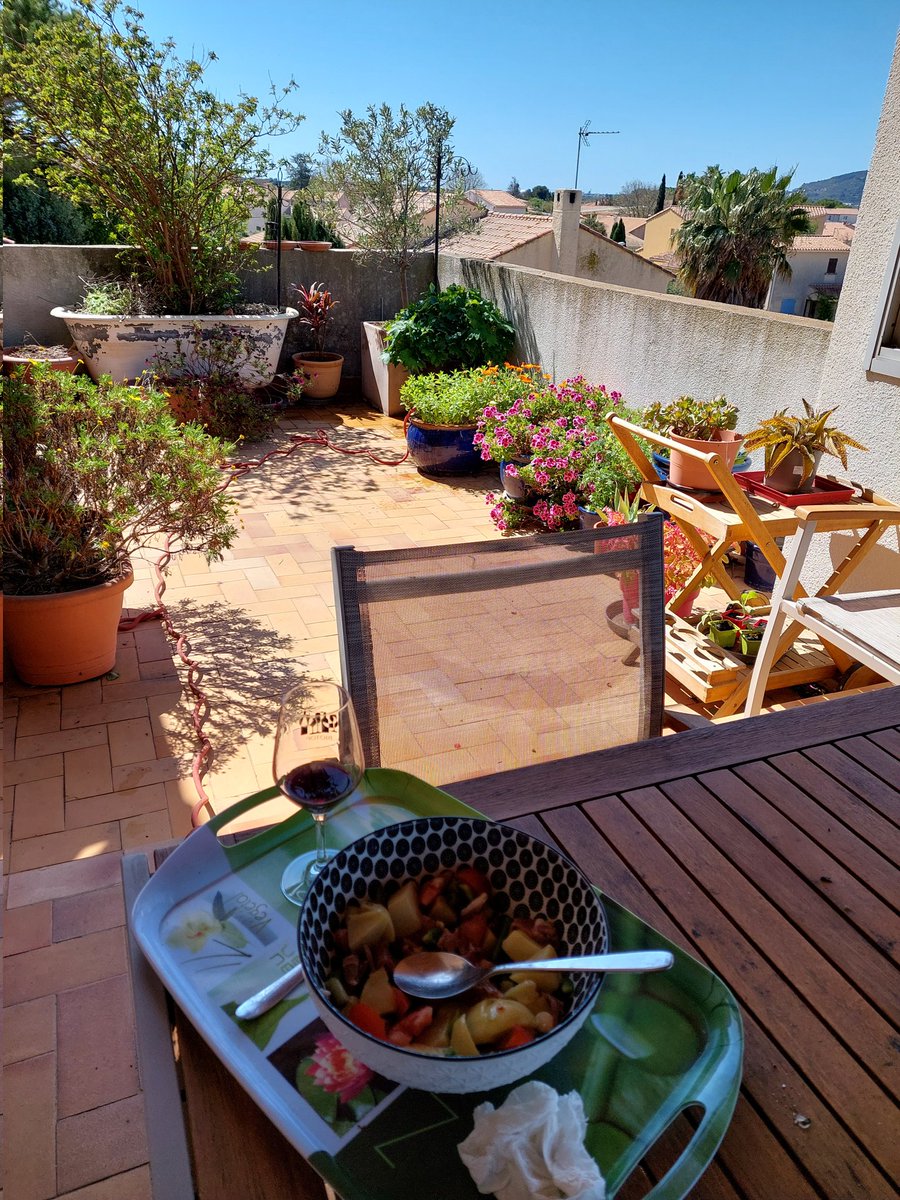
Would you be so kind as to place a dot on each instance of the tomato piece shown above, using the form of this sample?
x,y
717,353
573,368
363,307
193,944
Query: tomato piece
x,y
431,889
415,1022
401,1002
475,930
473,879
365,1017
517,1036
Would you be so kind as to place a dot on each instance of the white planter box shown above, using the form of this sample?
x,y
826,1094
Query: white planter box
x,y
381,381
123,346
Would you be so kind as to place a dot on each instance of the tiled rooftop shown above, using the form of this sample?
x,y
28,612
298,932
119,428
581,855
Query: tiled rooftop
x,y
497,234
822,243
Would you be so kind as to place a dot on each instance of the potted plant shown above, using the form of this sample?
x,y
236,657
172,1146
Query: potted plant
x,y
443,410
705,425
794,445
448,330
111,119
319,369
204,375
91,474
719,628
57,358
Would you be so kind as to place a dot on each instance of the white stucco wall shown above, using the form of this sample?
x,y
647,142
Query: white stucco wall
x,y
870,405
807,271
651,346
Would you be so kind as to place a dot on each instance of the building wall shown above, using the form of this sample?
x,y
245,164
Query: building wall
x,y
658,233
651,346
870,405
807,271
597,259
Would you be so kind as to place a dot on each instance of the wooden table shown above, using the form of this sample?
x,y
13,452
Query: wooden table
x,y
768,848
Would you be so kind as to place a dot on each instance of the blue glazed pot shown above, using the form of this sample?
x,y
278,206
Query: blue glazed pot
x,y
443,449
587,518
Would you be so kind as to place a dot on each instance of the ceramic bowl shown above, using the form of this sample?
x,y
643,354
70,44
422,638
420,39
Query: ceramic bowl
x,y
528,879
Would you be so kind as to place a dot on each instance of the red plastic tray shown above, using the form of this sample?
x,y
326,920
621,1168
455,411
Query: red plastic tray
x,y
824,491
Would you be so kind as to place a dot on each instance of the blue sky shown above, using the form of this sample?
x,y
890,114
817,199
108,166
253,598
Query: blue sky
x,y
687,82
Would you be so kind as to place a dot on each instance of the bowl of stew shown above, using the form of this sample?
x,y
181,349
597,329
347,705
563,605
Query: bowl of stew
x,y
473,887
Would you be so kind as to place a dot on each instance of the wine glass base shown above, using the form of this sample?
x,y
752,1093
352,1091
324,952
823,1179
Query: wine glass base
x,y
299,875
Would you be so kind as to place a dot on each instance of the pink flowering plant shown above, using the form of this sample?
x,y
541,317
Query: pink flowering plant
x,y
556,441
340,1089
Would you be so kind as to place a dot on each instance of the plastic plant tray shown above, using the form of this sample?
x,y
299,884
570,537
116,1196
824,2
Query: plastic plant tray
x,y
213,924
824,491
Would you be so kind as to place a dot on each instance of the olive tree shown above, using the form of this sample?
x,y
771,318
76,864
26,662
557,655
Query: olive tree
x,y
378,167
114,121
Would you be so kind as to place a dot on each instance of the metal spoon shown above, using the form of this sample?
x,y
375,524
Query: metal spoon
x,y
268,997
435,974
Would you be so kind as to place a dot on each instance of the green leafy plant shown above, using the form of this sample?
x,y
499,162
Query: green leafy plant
x,y
690,418
114,297
809,434
92,473
204,375
447,330
315,305
114,121
448,397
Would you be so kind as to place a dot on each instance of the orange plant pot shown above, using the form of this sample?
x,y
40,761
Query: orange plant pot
x,y
687,472
64,637
321,373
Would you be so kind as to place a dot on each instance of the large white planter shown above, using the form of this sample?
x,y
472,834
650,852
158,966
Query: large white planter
x,y
381,381
123,346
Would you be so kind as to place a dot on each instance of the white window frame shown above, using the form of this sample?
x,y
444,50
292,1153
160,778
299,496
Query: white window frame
x,y
883,351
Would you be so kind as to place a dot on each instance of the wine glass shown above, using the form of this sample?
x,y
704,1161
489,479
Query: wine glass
x,y
318,761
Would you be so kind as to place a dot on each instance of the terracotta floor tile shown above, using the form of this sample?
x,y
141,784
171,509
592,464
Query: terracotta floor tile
x,y
39,808
29,1029
24,770
27,928
145,830
97,714
132,689
140,774
64,965
130,742
88,771
30,1128
53,848
40,714
99,1143
116,805
97,1061
88,912
56,743
127,667
150,641
65,879
158,668
128,1185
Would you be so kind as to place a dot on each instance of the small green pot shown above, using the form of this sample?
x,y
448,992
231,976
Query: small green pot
x,y
724,634
750,645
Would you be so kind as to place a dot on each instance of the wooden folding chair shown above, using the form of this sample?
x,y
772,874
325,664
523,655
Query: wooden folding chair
x,y
864,625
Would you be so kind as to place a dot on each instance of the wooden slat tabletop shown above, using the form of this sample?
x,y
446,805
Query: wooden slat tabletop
x,y
769,849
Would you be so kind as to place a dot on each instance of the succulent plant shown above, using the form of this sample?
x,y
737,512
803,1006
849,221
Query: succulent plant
x,y
691,418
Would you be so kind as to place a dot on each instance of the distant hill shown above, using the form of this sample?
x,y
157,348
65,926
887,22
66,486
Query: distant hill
x,y
846,188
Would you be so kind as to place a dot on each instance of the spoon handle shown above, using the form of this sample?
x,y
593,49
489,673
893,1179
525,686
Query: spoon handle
x,y
631,960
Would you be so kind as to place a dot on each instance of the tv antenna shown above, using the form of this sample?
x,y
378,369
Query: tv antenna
x,y
584,133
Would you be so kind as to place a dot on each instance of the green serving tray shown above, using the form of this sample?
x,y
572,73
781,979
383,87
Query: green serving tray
x,y
654,1046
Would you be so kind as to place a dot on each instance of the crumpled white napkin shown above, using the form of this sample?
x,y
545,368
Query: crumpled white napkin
x,y
532,1147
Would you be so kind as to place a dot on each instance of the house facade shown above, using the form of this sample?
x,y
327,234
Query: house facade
x,y
818,265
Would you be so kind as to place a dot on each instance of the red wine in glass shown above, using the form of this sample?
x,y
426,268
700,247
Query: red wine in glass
x,y
318,762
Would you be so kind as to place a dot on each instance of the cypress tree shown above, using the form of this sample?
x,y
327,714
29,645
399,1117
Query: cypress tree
x,y
661,195
679,189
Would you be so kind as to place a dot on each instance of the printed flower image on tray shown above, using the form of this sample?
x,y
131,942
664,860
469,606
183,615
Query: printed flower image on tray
x,y
338,1088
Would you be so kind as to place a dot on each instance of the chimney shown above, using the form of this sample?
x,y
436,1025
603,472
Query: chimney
x,y
566,224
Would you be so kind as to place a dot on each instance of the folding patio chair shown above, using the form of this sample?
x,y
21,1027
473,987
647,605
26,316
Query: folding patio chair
x,y
864,625
482,656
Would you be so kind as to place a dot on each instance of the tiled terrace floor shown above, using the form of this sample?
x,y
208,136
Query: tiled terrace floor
x,y
102,768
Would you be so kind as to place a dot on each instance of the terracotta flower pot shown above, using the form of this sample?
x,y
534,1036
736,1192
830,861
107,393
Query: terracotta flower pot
x,y
687,472
321,373
17,356
65,637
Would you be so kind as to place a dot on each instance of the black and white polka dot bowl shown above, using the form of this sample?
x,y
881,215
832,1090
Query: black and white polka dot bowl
x,y
528,879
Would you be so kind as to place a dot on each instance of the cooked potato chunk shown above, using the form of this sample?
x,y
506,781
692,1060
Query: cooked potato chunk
x,y
366,926
461,1040
545,981
378,992
489,1019
403,907
520,947
527,993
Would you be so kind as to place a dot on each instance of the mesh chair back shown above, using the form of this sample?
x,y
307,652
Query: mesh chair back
x,y
474,658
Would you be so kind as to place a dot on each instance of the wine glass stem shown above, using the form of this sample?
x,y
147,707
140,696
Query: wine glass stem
x,y
321,853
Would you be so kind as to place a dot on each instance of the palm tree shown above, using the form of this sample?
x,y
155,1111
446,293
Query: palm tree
x,y
738,234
